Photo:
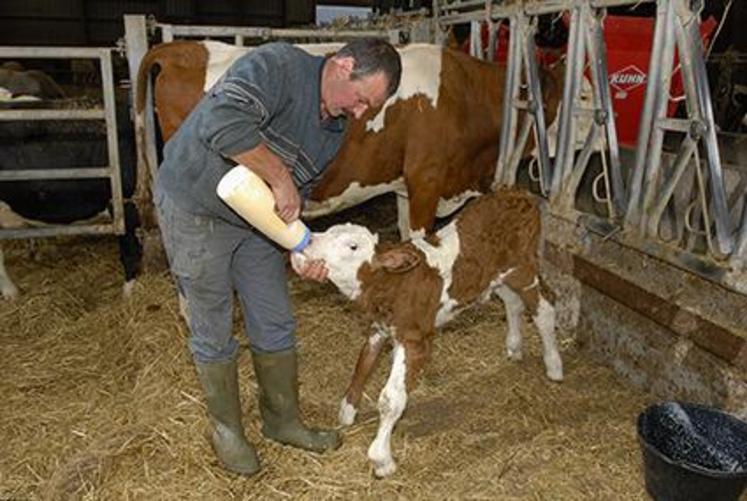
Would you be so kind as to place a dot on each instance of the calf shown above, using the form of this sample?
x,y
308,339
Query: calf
x,y
407,290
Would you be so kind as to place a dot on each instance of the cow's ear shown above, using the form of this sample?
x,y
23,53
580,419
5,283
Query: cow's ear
x,y
396,260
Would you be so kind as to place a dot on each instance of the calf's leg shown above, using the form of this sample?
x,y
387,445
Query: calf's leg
x,y
392,401
514,309
366,360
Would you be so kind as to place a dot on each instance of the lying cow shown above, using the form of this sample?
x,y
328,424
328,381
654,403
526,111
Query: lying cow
x,y
409,289
435,142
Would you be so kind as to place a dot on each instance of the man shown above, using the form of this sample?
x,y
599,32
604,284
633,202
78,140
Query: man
x,y
281,112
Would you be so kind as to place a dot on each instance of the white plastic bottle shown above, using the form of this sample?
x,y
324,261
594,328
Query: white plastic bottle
x,y
247,194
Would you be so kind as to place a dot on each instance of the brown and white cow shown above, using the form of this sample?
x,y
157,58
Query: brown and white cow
x,y
407,290
435,142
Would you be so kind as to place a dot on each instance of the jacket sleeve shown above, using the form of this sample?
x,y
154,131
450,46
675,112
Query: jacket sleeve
x,y
242,103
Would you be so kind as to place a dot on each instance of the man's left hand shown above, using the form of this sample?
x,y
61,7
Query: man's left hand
x,y
309,269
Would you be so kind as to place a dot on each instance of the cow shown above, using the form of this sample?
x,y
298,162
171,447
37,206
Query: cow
x,y
434,142
56,144
18,83
407,290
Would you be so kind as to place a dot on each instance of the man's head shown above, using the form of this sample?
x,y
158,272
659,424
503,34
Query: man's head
x,y
361,75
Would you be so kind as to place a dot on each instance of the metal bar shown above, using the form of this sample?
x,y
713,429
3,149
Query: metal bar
x,y
653,159
8,115
112,144
566,135
475,40
696,80
675,124
43,174
598,56
570,186
687,148
167,34
53,231
535,90
509,178
254,32
445,14
508,119
11,51
646,121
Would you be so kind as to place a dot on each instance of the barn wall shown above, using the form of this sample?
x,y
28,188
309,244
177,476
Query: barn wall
x,y
664,329
99,22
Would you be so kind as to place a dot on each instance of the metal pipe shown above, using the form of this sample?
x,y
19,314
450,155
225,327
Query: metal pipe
x,y
696,82
653,159
112,144
538,106
48,114
598,51
508,116
566,109
687,148
646,120
42,174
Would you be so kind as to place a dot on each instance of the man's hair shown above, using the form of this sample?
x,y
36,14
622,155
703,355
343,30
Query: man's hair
x,y
371,56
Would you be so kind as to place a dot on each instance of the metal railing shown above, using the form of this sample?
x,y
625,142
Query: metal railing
x,y
111,171
709,229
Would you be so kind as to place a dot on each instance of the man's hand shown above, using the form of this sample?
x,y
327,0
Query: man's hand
x,y
309,269
270,167
287,200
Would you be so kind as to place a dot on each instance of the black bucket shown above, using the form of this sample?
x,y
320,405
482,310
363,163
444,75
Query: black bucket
x,y
692,452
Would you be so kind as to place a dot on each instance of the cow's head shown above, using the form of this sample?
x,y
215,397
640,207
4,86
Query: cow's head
x,y
344,248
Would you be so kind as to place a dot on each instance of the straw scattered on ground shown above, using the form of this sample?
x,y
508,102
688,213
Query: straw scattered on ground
x,y
101,401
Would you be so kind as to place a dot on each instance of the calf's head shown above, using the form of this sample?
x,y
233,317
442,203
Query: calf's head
x,y
346,248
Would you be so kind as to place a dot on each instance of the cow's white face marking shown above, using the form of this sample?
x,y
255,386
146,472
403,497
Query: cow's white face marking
x,y
421,74
222,55
344,249
354,194
442,258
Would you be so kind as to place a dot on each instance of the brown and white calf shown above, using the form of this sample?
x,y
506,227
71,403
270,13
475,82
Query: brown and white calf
x,y
409,289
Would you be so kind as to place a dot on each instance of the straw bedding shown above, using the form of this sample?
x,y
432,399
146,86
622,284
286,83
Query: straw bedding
x,y
100,401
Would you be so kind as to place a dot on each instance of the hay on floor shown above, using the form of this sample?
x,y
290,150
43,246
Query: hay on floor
x,y
100,401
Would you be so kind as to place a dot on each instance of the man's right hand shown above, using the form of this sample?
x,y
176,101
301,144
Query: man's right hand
x,y
271,168
287,200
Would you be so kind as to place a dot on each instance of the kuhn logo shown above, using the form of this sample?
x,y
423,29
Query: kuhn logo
x,y
627,78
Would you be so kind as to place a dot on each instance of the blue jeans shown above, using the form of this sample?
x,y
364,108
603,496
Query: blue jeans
x,y
209,259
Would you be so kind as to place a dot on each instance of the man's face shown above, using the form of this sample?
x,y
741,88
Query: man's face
x,y
353,97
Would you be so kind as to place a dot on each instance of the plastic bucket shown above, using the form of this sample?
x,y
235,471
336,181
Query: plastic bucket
x,y
692,452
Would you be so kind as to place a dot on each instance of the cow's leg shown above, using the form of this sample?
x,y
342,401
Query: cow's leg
x,y
7,287
366,361
403,215
514,309
423,200
392,401
543,316
130,251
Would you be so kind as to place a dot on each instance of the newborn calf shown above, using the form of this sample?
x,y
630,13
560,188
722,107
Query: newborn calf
x,y
409,289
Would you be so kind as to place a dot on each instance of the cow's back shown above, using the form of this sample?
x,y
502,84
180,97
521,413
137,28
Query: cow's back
x,y
442,125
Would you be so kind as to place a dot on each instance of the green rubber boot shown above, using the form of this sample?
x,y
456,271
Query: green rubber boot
x,y
220,383
277,376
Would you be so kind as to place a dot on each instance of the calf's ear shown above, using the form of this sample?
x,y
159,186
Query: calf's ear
x,y
396,260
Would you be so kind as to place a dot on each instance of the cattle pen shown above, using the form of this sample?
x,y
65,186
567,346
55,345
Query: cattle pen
x,y
644,255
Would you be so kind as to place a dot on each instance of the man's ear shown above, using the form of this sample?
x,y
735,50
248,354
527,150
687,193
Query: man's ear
x,y
345,65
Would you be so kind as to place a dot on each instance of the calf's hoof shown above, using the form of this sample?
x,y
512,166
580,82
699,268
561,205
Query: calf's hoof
x,y
347,413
